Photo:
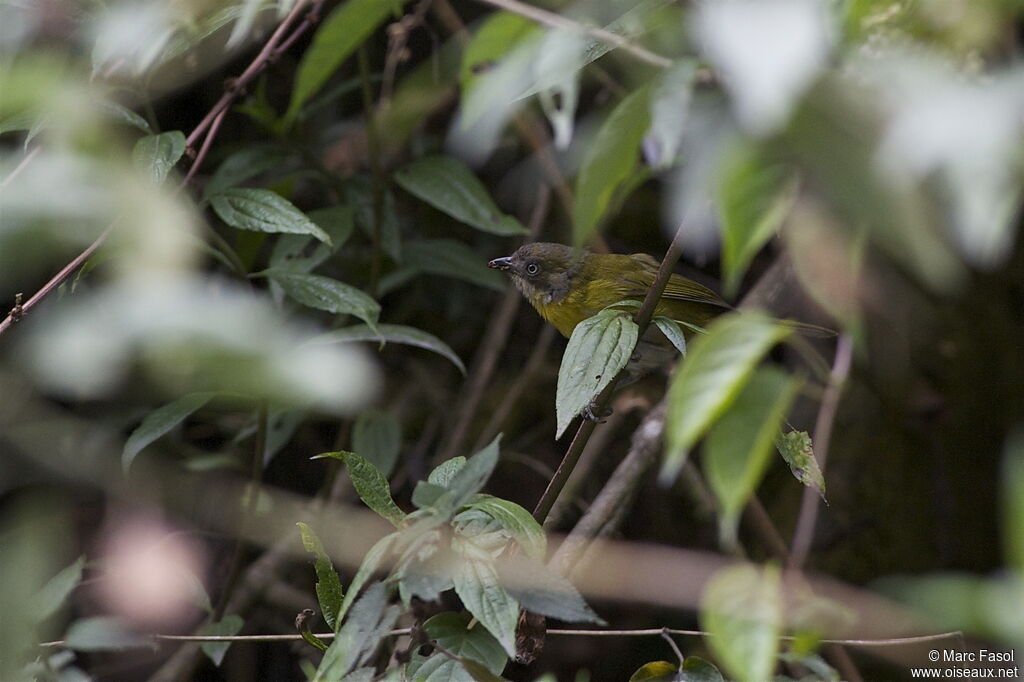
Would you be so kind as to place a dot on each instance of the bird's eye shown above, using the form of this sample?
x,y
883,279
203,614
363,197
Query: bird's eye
x,y
532,269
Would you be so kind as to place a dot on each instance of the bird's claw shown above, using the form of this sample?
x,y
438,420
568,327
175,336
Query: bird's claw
x,y
598,416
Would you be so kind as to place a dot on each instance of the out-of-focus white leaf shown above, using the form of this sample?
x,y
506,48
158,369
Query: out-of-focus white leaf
x,y
767,52
189,334
130,36
959,134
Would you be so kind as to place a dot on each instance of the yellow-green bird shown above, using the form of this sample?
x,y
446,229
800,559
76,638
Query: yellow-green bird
x,y
567,285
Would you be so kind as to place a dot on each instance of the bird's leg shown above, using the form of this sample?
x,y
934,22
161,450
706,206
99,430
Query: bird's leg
x,y
596,415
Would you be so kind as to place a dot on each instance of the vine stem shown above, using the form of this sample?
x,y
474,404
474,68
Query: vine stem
x,y
649,632
643,319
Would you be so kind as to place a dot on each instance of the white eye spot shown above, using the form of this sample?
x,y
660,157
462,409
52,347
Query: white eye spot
x,y
532,269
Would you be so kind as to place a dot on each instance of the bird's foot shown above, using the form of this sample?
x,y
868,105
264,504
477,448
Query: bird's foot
x,y
596,415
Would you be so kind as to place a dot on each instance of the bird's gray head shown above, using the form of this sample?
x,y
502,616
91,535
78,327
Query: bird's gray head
x,y
542,271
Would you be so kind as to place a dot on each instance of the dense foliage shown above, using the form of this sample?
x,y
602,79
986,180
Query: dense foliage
x,y
268,384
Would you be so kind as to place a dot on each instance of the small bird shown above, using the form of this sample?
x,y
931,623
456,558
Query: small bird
x,y
567,285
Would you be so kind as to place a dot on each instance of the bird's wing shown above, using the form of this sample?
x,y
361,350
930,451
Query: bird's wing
x,y
678,288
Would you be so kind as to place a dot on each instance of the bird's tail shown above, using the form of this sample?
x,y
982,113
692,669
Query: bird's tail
x,y
811,330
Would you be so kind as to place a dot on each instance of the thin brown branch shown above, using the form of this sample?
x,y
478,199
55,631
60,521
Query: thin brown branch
x,y
546,18
204,149
20,310
648,632
810,502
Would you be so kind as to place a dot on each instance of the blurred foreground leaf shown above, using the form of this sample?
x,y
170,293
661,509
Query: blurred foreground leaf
x,y
742,610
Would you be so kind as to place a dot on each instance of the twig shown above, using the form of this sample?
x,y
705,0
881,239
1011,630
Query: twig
x,y
579,441
204,149
25,161
271,50
543,16
493,343
809,503
21,310
649,632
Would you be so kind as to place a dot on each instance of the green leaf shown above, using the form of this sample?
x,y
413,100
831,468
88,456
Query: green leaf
x,y
359,193
156,155
519,523
371,562
244,164
103,633
370,620
742,610
672,331
739,445
394,333
450,186
159,422
328,585
324,293
476,583
427,494
122,114
1013,500
451,258
599,347
795,447
56,591
469,479
451,631
655,671
226,627
716,368
542,590
753,199
261,210
372,487
339,35
300,253
377,438
444,472
609,160
696,669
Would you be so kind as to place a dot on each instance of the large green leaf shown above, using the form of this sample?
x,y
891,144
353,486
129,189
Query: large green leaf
x,y
519,523
159,422
369,621
370,484
609,160
156,155
476,583
337,38
472,476
395,333
739,445
599,347
742,610
753,199
452,632
324,293
540,589
328,585
377,437
371,562
716,368
449,185
261,210
496,36
451,258
444,472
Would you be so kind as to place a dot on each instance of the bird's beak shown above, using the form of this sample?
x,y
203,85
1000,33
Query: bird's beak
x,y
500,263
